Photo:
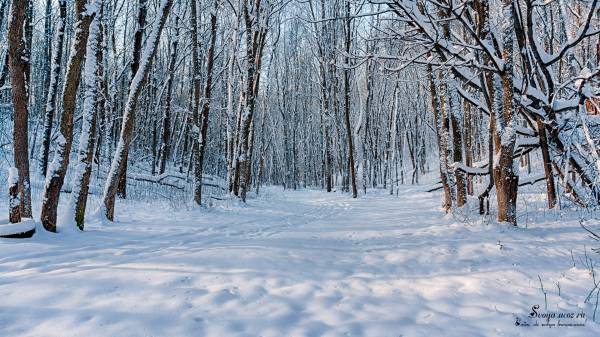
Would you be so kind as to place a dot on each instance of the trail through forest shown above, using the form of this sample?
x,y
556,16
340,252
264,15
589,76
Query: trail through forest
x,y
304,263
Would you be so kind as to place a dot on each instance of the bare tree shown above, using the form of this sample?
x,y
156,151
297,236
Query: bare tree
x,y
53,78
83,168
119,159
58,168
202,140
19,75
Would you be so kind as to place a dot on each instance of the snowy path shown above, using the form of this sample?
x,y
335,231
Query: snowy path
x,y
292,264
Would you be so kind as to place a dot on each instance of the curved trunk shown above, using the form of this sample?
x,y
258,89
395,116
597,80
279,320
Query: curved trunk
x,y
135,89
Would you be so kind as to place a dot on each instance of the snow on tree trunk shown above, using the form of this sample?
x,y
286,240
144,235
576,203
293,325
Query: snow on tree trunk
x,y
119,159
256,22
436,107
83,166
58,168
135,64
19,74
14,202
457,128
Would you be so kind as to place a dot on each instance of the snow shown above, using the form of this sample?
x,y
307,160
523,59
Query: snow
x,y
13,180
13,176
24,226
305,263
470,170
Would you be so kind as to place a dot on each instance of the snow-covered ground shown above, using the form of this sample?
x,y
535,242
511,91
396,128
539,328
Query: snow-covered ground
x,y
303,263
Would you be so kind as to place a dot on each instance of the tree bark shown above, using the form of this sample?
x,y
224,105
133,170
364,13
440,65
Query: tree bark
x,y
19,74
550,187
135,64
58,169
256,31
196,99
506,178
202,141
351,168
85,152
166,127
457,143
442,147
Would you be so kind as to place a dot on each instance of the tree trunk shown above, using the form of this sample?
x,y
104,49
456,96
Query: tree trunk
x,y
206,105
57,54
256,31
166,127
19,69
457,143
46,65
119,160
506,179
550,187
85,152
196,99
58,169
437,114
468,120
135,64
351,168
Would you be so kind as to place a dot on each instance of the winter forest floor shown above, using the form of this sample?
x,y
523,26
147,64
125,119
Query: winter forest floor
x,y
304,263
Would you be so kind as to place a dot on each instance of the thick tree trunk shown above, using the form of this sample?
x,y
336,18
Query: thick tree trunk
x,y
505,174
19,70
58,169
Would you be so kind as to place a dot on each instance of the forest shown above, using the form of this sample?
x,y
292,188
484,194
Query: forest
x,y
314,93
480,113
